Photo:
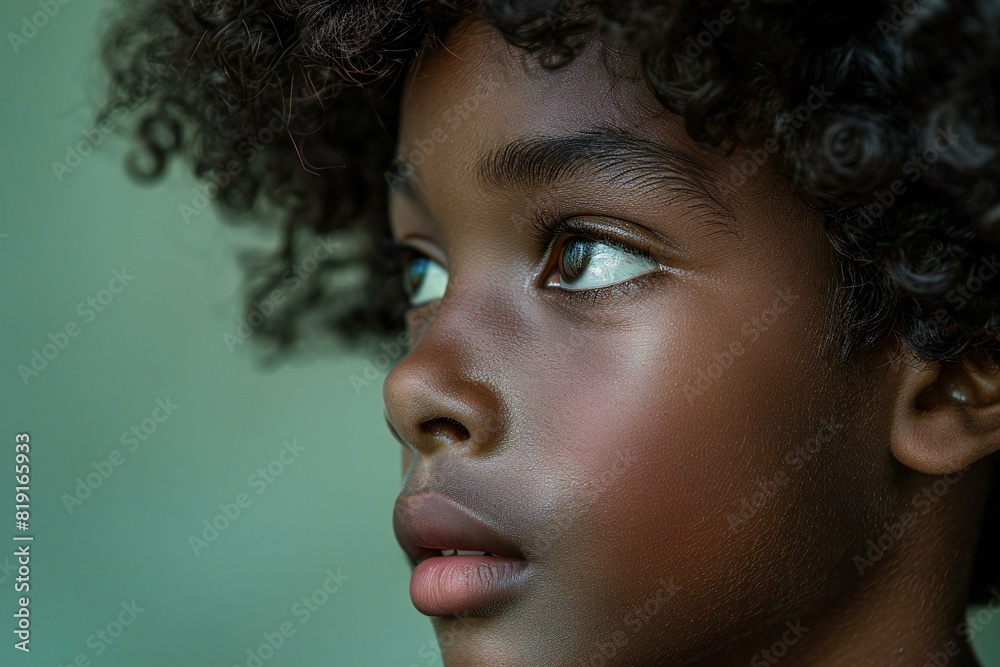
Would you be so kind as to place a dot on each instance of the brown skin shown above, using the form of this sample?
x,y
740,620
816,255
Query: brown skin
x,y
582,436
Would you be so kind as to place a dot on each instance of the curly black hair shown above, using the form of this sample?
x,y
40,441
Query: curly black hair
x,y
289,108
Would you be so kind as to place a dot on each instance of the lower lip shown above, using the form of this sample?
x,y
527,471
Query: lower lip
x,y
452,585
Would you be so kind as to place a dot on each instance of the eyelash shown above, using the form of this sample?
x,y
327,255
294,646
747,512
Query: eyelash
x,y
548,227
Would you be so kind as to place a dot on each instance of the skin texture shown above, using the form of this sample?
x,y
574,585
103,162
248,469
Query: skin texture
x,y
612,435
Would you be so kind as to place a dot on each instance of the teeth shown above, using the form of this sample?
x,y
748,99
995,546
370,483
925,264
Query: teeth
x,y
460,552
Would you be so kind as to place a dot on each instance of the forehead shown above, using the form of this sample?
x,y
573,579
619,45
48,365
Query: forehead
x,y
466,100
476,91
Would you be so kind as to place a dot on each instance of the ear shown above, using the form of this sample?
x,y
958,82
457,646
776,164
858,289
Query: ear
x,y
947,417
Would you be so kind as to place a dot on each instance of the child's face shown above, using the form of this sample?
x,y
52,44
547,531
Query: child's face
x,y
678,458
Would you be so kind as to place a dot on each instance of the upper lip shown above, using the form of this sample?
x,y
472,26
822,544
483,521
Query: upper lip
x,y
427,522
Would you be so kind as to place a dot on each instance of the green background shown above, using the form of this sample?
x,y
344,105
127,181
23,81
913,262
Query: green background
x,y
162,338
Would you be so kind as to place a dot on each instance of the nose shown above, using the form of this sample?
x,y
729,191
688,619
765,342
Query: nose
x,y
435,398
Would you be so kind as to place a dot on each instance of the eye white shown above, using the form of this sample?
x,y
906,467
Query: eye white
x,y
432,284
606,265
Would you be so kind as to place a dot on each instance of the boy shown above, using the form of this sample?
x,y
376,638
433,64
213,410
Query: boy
x,y
700,296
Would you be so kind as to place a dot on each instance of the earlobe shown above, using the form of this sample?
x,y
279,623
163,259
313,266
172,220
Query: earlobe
x,y
946,417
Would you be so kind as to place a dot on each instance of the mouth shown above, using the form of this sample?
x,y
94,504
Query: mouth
x,y
462,563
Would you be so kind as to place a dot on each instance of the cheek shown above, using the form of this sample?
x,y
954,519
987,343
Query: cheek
x,y
677,462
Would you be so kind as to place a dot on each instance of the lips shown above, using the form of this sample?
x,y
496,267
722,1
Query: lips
x,y
429,523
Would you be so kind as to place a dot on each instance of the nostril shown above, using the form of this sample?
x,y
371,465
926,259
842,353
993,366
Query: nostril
x,y
445,427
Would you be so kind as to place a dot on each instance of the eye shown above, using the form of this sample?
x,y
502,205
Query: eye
x,y
583,263
423,279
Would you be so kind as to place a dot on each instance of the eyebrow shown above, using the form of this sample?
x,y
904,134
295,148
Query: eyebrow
x,y
526,164
613,153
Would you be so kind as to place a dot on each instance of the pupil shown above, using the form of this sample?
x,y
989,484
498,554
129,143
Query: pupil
x,y
574,259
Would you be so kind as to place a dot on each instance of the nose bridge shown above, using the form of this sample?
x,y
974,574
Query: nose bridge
x,y
446,392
